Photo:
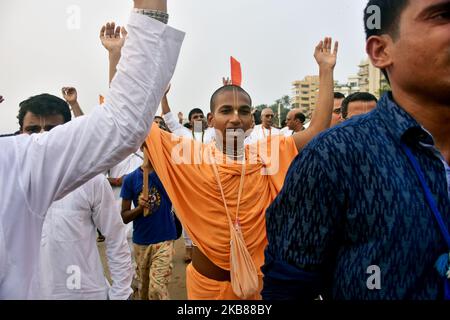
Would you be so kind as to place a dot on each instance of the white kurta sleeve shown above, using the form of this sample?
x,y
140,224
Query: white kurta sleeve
x,y
175,127
57,162
108,220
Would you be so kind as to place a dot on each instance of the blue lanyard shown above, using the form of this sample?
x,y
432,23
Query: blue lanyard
x,y
443,263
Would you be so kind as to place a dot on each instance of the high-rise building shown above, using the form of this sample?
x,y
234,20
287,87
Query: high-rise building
x,y
371,79
348,88
304,94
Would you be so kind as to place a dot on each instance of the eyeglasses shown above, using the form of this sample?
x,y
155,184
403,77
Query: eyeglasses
x,y
337,111
269,116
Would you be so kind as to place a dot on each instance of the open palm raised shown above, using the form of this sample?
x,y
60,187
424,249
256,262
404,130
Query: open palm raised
x,y
112,37
325,55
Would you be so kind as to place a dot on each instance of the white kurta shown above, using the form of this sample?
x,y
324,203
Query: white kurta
x,y
260,133
69,251
179,130
286,132
131,163
39,169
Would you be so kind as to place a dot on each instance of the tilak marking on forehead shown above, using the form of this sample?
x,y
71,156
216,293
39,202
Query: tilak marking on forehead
x,y
235,98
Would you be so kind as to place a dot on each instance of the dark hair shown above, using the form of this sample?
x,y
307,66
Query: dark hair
x,y
162,124
44,105
338,95
391,11
7,135
357,96
226,89
194,111
257,116
300,116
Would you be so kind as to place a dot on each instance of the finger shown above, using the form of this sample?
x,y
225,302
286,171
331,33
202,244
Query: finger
x,y
113,29
326,44
124,32
336,48
330,43
117,33
102,32
319,46
108,33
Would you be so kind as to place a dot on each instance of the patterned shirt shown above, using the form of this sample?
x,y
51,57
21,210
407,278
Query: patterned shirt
x,y
352,201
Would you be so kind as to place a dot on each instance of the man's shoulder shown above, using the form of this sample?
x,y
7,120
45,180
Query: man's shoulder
x,y
275,130
355,133
96,182
132,176
8,147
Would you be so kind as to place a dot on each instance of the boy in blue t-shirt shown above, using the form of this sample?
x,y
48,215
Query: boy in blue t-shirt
x,y
153,236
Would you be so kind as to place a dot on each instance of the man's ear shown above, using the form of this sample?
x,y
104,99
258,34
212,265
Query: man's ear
x,y
379,49
209,117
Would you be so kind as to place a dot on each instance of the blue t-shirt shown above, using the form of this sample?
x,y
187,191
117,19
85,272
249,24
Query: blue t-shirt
x,y
159,226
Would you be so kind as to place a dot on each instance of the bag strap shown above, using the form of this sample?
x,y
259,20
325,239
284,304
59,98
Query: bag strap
x,y
428,195
443,259
241,187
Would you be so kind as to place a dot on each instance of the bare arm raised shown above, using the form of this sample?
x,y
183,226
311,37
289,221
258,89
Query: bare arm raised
x,y
113,39
321,118
70,94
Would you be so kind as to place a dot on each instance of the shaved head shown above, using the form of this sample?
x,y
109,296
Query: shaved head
x,y
223,89
294,112
266,111
295,120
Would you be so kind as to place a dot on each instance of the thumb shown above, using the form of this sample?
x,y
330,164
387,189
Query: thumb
x,y
124,32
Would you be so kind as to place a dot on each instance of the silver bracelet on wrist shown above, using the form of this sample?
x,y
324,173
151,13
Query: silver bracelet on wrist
x,y
155,14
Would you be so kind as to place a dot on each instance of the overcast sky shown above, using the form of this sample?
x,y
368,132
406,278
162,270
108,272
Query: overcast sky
x,y
42,49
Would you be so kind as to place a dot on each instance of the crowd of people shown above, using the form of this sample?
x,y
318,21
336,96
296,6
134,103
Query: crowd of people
x,y
306,211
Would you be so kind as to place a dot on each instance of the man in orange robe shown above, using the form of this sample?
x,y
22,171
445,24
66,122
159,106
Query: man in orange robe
x,y
187,171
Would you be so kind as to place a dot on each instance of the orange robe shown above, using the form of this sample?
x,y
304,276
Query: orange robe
x,y
186,171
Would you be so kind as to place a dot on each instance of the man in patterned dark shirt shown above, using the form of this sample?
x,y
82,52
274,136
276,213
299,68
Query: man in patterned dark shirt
x,y
352,221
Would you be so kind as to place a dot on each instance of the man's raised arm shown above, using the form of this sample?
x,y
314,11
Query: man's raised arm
x,y
325,56
70,155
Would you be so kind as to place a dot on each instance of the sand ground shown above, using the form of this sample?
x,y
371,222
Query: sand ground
x,y
177,285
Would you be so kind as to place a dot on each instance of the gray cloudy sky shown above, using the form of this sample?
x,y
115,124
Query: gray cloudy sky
x,y
273,39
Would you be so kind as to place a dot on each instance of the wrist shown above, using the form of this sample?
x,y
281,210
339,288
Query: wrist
x,y
156,14
115,53
160,5
326,68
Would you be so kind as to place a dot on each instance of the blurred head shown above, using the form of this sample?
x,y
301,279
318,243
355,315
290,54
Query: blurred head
x,y
336,115
357,104
295,120
257,117
42,113
267,117
412,46
161,123
231,109
196,116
